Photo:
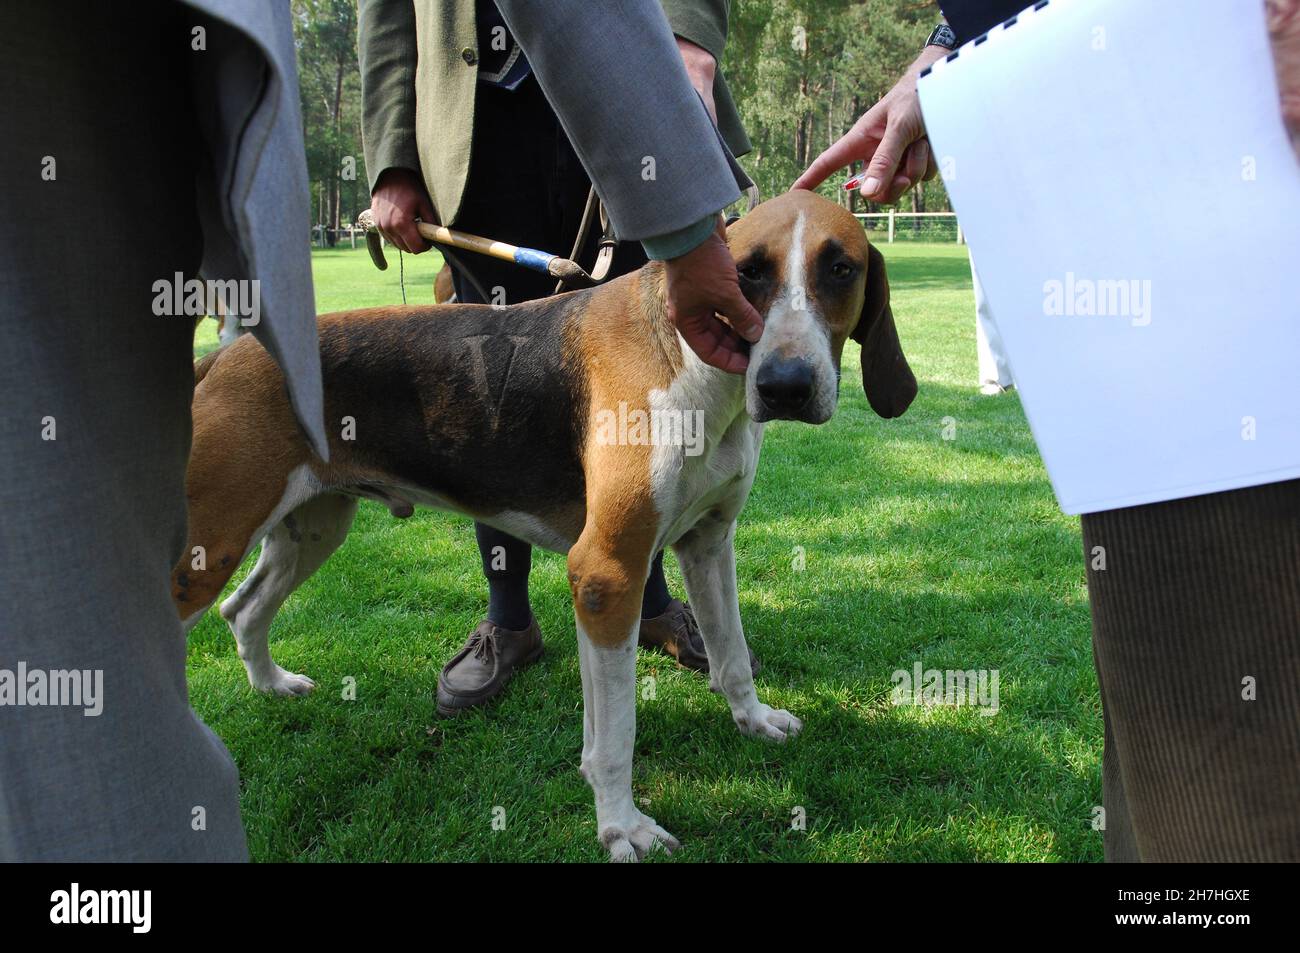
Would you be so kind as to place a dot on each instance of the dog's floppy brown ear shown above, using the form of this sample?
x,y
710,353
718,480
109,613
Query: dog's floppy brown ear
x,y
886,376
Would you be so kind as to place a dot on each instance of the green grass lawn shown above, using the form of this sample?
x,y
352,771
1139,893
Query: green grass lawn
x,y
947,552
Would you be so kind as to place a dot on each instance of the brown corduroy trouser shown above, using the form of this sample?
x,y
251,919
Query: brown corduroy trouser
x,y
1196,634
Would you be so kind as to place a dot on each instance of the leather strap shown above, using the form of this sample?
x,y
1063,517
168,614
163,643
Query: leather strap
x,y
605,250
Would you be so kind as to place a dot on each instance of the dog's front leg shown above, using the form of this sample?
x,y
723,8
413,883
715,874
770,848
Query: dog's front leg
x,y
707,556
607,590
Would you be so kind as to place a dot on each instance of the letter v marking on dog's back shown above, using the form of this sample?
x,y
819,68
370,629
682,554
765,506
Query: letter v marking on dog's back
x,y
493,396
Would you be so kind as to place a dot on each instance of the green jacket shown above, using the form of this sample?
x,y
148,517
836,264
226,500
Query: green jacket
x,y
419,79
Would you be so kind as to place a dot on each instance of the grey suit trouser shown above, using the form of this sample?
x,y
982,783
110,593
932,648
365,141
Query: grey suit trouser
x,y
97,163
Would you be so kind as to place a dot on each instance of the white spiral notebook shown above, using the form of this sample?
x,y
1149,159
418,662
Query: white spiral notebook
x,y
1123,177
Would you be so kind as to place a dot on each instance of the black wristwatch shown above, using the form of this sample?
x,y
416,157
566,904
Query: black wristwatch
x,y
943,36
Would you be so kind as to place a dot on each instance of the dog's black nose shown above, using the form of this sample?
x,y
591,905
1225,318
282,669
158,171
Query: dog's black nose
x,y
785,384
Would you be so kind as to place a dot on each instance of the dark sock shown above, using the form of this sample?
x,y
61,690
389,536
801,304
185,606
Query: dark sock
x,y
506,563
656,598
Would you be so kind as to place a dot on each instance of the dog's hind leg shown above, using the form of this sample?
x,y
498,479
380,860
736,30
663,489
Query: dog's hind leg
x,y
295,548
248,466
707,557
228,514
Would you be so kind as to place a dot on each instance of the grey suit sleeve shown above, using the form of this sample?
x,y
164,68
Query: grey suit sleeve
x,y
615,79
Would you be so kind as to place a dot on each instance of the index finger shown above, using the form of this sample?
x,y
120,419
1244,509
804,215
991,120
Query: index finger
x,y
859,142
850,147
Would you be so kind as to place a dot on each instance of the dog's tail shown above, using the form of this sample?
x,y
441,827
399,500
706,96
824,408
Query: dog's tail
x,y
206,362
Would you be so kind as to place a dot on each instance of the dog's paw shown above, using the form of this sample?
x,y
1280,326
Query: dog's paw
x,y
774,724
628,843
280,682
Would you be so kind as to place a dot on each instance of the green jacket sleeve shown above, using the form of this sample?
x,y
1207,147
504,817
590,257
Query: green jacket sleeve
x,y
704,23
387,56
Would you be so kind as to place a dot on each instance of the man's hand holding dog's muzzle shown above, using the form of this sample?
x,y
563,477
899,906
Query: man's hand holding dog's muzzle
x,y
702,285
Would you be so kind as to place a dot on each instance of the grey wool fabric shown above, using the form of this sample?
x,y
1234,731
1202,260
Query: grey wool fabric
x,y
94,518
141,140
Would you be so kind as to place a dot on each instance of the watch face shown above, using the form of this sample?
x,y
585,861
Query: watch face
x,y
943,36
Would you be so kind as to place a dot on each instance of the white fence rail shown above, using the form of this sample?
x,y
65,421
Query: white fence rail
x,y
351,231
891,217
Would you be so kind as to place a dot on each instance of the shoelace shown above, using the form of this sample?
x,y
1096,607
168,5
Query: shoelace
x,y
685,625
485,644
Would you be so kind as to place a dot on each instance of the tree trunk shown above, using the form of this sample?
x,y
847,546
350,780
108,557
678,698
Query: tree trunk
x,y
336,109
320,206
855,111
830,130
802,144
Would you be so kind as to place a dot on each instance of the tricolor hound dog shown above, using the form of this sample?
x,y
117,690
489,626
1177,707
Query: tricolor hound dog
x,y
491,412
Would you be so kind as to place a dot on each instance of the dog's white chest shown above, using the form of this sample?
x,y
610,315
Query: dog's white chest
x,y
713,467
711,484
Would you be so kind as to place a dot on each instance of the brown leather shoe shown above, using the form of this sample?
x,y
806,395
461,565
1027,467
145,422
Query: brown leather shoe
x,y
676,633
478,673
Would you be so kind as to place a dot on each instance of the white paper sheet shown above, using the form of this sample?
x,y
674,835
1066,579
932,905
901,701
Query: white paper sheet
x,y
1135,142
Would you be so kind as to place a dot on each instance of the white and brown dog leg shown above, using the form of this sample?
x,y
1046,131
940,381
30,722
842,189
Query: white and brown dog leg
x,y
707,557
607,573
294,549
243,481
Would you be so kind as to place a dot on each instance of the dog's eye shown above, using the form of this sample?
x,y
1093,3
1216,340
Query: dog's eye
x,y
841,269
751,272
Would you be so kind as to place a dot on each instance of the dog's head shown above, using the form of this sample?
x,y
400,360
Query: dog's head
x,y
806,265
